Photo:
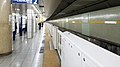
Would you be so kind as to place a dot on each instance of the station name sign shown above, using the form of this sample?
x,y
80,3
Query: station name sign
x,y
25,1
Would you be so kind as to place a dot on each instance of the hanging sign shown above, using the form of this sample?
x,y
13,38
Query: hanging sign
x,y
25,1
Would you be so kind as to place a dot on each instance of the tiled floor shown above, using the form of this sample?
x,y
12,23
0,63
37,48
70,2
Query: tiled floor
x,y
25,53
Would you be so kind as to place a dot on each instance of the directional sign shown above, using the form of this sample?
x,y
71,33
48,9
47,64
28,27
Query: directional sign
x,y
25,1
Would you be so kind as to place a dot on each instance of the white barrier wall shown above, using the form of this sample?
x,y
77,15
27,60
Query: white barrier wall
x,y
77,52
53,33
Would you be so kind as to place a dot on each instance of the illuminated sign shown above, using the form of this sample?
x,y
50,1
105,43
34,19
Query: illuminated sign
x,y
25,1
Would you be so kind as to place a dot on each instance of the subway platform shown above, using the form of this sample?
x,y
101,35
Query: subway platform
x,y
26,53
35,52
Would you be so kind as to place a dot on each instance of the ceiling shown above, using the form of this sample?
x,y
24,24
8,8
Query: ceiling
x,y
55,9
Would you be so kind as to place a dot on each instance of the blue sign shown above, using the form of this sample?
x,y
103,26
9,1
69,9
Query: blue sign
x,y
25,1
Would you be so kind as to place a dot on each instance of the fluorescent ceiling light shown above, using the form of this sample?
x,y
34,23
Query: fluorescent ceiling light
x,y
35,9
110,22
18,9
66,19
73,21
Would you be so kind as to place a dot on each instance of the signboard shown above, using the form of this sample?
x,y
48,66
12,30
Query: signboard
x,y
25,1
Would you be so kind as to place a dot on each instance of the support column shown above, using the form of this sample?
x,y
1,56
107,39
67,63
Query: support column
x,y
20,24
29,21
5,27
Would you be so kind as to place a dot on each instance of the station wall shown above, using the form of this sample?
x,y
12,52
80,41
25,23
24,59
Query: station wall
x,y
104,24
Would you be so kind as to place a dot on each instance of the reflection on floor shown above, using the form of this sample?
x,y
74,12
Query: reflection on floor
x,y
25,53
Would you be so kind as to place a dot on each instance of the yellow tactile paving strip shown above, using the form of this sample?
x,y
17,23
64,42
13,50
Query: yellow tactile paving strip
x,y
50,58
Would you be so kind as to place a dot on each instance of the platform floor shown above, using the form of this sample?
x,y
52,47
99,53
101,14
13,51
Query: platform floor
x,y
50,58
25,53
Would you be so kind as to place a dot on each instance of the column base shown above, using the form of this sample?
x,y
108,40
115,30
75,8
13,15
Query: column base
x,y
5,54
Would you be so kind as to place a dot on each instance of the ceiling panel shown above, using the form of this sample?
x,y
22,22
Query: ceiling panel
x,y
76,5
50,6
55,9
